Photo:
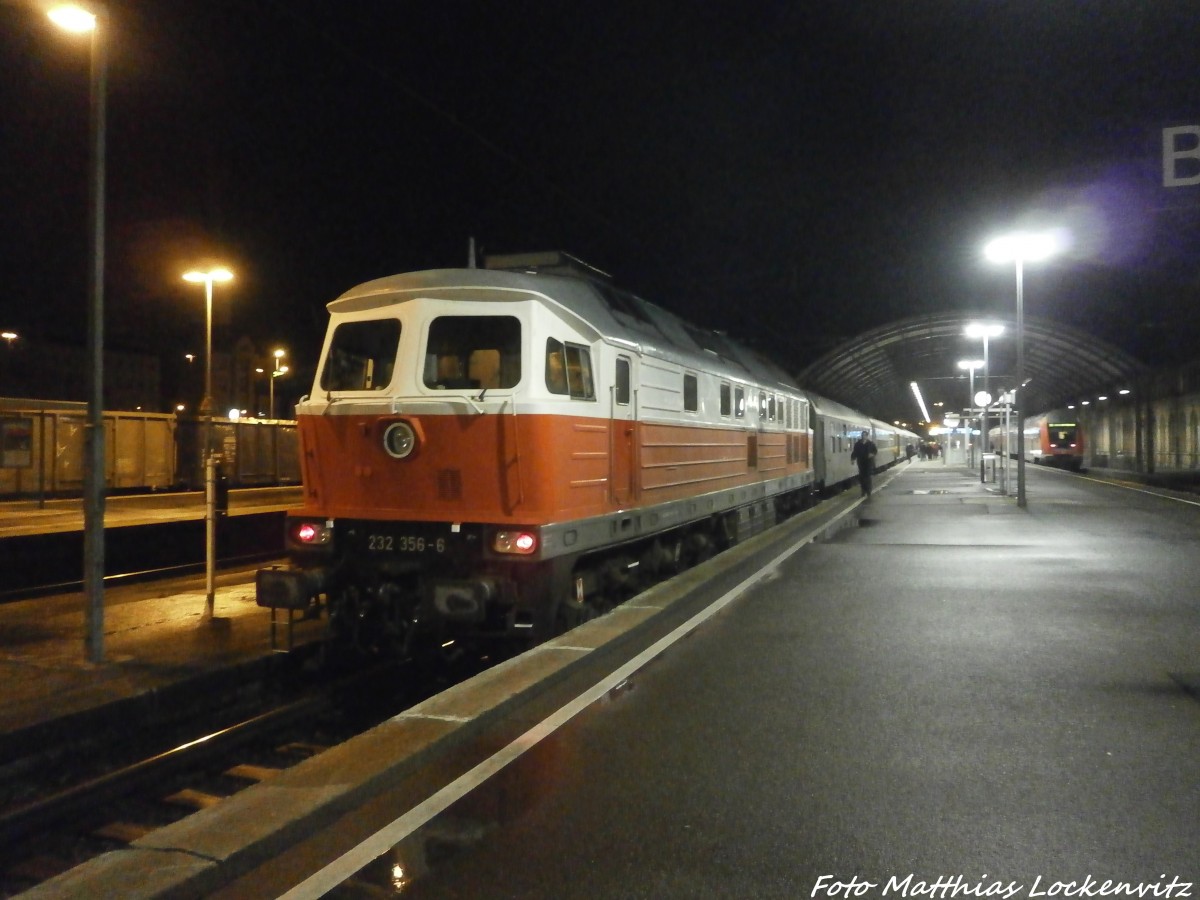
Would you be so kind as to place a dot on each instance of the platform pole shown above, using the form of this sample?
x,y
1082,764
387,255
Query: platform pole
x,y
210,534
94,469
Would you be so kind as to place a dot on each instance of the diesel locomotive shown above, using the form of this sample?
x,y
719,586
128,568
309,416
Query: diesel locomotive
x,y
511,450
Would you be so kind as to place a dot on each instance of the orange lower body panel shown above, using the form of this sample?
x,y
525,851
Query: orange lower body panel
x,y
527,469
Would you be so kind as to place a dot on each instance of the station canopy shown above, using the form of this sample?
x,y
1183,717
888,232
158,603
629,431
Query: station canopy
x,y
874,371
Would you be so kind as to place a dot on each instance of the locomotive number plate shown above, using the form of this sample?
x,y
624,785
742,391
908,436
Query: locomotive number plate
x,y
405,543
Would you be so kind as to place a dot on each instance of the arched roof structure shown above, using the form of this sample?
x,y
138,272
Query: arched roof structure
x,y
874,371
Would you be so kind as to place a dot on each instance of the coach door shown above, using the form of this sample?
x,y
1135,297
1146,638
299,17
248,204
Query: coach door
x,y
621,431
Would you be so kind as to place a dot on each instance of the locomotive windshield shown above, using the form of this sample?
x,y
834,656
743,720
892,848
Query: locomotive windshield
x,y
362,356
1062,435
473,352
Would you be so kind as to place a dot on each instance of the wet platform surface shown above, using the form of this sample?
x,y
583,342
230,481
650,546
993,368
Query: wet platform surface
x,y
52,516
954,689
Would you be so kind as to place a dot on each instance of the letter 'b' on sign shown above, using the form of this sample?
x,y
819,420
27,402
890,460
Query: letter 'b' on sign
x,y
1173,153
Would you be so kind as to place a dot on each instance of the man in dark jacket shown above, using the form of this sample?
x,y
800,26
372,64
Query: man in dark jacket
x,y
864,454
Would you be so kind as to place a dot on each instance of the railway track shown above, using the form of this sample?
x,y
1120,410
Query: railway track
x,y
40,564
64,804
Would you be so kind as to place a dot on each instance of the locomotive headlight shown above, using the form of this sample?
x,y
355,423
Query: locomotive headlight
x,y
520,542
399,440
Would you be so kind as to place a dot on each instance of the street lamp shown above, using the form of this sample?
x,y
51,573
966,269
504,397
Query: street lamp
x,y
279,370
93,20
971,365
210,475
207,279
1018,248
976,331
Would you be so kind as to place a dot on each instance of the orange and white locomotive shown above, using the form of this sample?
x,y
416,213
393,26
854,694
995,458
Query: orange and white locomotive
x,y
512,449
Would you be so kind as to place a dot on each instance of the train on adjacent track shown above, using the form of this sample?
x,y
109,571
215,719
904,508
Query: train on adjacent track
x,y
508,451
1054,438
42,450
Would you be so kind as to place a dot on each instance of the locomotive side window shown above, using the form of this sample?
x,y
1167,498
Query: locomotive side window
x,y
362,356
569,370
470,352
579,372
691,399
622,381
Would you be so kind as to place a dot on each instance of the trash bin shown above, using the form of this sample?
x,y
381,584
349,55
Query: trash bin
x,y
990,466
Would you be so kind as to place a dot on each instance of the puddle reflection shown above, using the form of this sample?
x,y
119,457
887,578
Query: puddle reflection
x,y
465,825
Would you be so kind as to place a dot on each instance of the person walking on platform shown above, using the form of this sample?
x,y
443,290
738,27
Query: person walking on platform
x,y
864,454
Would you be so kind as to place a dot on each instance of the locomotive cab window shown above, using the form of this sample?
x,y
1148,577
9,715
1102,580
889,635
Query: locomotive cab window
x,y
473,352
361,356
569,370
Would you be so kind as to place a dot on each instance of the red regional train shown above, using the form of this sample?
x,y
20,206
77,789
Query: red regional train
x,y
512,450
1053,439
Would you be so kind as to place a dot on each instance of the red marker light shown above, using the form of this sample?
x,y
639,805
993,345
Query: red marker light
x,y
522,542
306,533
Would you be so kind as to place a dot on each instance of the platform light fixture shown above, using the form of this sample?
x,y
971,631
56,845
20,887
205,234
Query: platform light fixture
x,y
278,354
916,389
984,331
93,19
207,278
970,365
1018,248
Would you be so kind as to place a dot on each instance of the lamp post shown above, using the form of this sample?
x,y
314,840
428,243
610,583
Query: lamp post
x,y
984,330
1018,248
210,475
6,369
971,365
93,20
279,370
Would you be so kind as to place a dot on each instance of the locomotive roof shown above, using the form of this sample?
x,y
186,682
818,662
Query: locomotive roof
x,y
613,313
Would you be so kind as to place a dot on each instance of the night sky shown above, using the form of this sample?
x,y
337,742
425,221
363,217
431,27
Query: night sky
x,y
792,173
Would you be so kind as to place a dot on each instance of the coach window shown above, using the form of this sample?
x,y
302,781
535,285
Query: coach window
x,y
691,393
739,403
771,408
473,352
361,356
726,400
622,381
762,405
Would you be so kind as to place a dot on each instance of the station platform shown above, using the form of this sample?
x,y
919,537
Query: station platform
x,y
157,639
943,686
53,516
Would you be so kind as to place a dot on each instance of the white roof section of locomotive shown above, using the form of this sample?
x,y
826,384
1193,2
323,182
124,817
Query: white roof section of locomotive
x,y
647,329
